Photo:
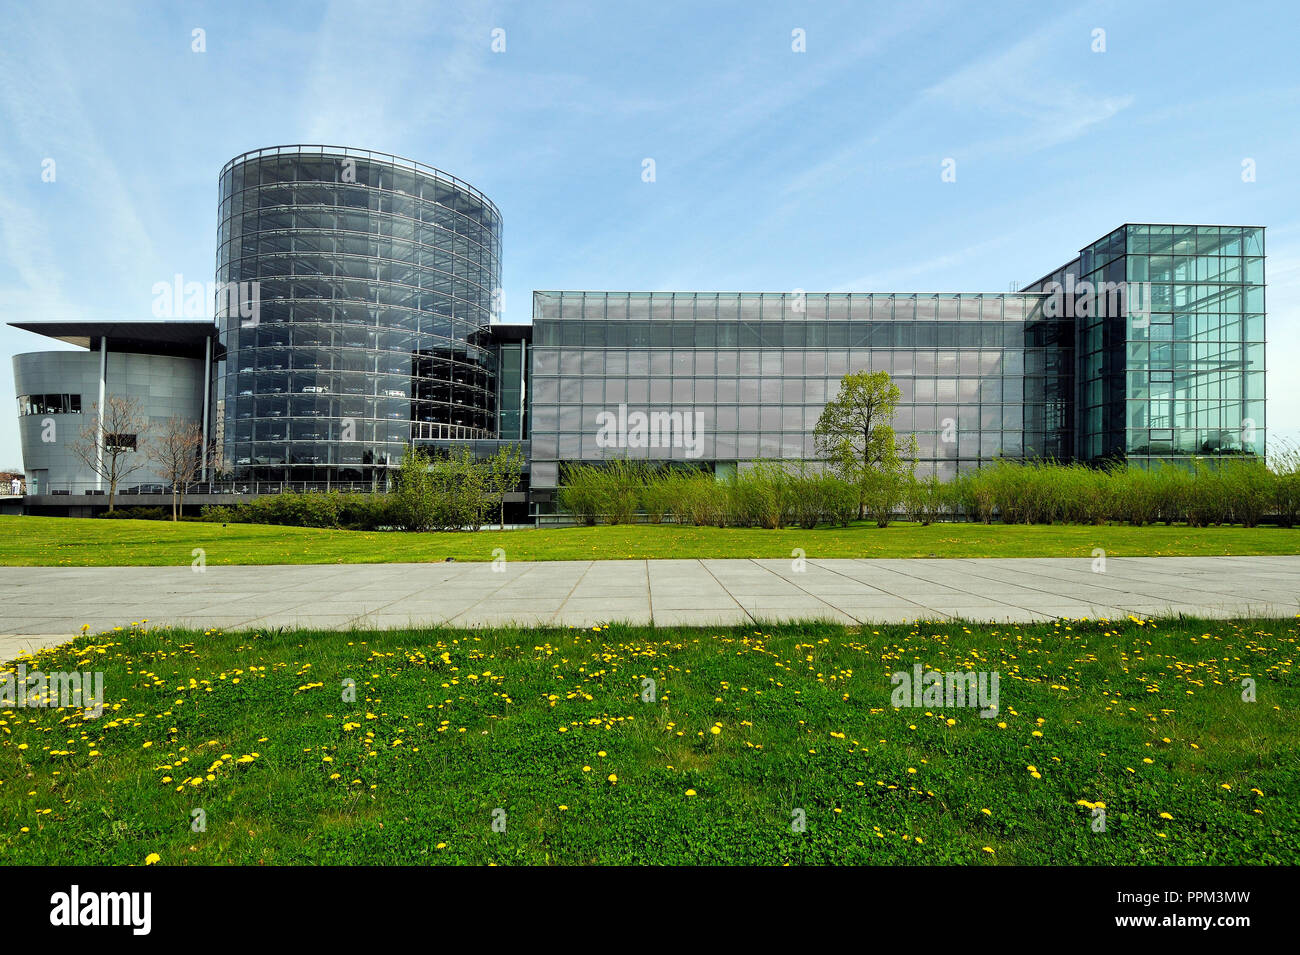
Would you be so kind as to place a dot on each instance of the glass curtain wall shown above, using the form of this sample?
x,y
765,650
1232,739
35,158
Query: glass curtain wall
x,y
981,375
374,274
1195,368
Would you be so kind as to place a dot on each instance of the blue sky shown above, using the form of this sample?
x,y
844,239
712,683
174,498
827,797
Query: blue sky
x,y
774,169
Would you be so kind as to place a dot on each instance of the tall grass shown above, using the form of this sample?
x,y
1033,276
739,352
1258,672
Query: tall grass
x,y
1284,462
775,494
611,492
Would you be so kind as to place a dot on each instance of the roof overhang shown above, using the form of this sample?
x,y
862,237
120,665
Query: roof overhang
x,y
183,338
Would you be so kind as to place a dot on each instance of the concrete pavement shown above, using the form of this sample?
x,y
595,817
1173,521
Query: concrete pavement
x,y
43,606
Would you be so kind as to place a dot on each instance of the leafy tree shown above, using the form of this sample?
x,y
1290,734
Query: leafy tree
x,y
413,498
459,495
503,471
453,490
855,433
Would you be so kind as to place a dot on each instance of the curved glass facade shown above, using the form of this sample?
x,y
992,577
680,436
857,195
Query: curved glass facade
x,y
368,323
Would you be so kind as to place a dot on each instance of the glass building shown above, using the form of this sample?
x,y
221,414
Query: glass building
x,y
1177,371
375,282
981,375
377,279
1164,360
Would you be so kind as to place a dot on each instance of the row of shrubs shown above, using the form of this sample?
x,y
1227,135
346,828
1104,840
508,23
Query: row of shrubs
x,y
364,512
446,491
775,494
1202,495
137,514
768,495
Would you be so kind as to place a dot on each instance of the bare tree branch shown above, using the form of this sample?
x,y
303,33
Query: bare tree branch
x,y
109,442
176,455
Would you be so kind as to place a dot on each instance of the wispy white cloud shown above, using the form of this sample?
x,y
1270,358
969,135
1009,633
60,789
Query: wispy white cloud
x,y
1017,91
931,271
57,273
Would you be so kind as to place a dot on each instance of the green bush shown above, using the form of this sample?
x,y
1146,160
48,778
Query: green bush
x,y
451,491
307,509
823,498
137,514
579,495
683,501
1284,462
775,494
977,495
1135,494
1248,490
841,500
658,495
882,493
611,491
710,501
1206,494
220,514
923,499
622,483
365,512
811,500
763,495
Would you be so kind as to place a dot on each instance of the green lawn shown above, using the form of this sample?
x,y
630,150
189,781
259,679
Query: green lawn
x,y
56,541
546,733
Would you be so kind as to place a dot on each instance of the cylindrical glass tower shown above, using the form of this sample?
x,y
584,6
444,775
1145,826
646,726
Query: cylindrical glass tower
x,y
375,281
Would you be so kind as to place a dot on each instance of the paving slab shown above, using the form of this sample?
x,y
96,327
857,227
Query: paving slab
x,y
45,606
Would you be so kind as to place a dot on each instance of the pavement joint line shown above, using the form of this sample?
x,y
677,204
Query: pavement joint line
x,y
1122,596
1105,585
871,590
826,604
973,563
739,606
971,593
1119,593
529,568
407,595
649,590
285,586
484,598
576,584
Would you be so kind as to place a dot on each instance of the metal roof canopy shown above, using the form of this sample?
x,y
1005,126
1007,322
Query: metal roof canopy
x,y
182,338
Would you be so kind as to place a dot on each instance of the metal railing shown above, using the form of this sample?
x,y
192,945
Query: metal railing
x,y
320,150
435,431
90,489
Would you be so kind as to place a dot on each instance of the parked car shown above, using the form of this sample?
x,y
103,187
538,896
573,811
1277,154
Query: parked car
x,y
147,489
